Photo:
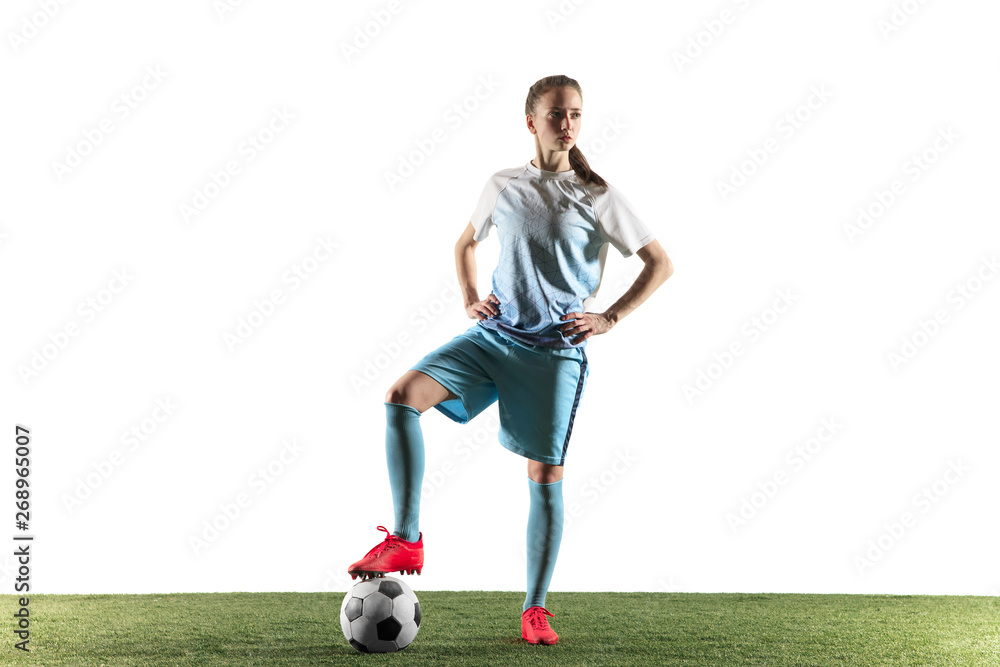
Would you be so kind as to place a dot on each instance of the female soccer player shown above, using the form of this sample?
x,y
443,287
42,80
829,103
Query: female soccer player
x,y
554,218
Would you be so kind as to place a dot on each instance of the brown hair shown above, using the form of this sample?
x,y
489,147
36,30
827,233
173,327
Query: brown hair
x,y
576,159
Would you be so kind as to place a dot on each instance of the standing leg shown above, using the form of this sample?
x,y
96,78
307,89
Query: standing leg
x,y
545,525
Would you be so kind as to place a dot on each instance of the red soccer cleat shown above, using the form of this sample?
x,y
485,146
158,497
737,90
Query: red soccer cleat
x,y
393,554
535,628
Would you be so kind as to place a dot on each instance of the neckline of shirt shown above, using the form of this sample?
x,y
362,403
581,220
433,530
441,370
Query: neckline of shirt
x,y
560,175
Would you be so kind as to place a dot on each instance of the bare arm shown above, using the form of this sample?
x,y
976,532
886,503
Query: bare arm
x,y
465,264
657,269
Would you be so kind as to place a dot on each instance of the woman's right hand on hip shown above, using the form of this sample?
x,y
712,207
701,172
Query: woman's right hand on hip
x,y
484,309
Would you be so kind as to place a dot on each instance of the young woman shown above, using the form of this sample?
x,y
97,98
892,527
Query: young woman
x,y
554,218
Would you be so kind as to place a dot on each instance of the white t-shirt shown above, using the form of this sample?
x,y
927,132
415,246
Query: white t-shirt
x,y
554,233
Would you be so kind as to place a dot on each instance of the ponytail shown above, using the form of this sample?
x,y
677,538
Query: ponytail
x,y
582,168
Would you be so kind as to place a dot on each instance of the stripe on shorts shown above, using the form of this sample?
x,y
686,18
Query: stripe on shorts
x,y
576,402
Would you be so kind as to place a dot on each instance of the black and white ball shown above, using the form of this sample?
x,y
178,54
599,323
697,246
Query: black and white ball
x,y
380,615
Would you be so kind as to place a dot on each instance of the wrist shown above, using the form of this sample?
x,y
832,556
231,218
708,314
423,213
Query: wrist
x,y
611,316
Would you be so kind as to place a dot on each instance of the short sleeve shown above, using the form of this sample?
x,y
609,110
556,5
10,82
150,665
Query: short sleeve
x,y
482,217
618,222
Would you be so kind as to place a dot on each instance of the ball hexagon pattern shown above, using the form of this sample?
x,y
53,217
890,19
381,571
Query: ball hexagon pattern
x,y
380,615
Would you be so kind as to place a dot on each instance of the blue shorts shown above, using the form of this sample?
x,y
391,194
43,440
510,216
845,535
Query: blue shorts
x,y
538,388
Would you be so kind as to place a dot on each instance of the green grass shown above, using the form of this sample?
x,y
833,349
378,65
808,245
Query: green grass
x,y
477,628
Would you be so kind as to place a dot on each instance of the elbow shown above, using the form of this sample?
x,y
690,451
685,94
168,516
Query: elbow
x,y
656,260
666,267
662,267
464,244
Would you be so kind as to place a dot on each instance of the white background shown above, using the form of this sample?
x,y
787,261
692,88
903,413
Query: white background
x,y
655,475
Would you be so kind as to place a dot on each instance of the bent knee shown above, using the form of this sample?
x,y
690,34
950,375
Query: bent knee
x,y
396,394
544,473
404,393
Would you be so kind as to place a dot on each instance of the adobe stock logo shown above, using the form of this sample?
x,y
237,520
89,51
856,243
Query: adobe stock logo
x,y
218,180
454,116
924,500
796,458
264,308
224,7
57,342
230,511
712,30
122,107
597,486
787,126
926,330
364,35
899,16
914,168
752,329
561,12
33,24
374,365
132,439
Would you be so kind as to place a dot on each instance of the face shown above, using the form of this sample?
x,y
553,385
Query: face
x,y
558,114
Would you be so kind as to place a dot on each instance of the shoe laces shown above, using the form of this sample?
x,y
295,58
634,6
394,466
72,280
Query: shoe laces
x,y
389,542
536,617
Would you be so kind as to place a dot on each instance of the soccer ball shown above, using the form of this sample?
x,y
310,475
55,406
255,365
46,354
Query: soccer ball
x,y
380,615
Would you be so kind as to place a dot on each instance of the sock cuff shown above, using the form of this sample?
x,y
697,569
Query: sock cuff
x,y
532,482
391,407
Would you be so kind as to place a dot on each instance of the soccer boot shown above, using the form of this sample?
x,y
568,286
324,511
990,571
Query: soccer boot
x,y
393,554
535,627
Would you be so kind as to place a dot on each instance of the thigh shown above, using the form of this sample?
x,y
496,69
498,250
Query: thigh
x,y
539,397
418,390
464,367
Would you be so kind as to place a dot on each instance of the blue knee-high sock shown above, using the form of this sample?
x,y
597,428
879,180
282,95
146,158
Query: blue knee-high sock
x,y
404,454
545,526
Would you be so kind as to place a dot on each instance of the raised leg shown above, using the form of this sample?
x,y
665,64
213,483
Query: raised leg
x,y
411,395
